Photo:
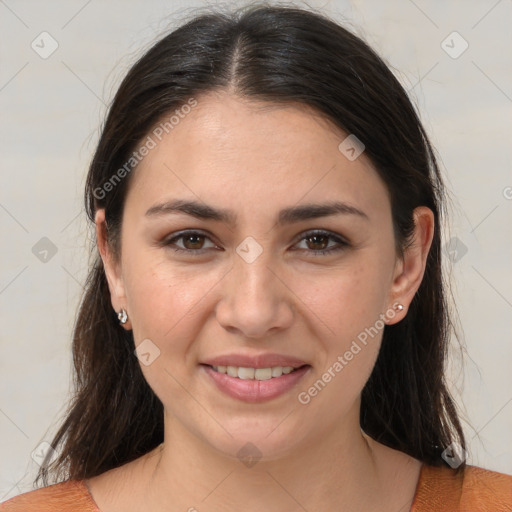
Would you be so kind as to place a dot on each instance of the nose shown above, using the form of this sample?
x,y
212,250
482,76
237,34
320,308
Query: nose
x,y
255,298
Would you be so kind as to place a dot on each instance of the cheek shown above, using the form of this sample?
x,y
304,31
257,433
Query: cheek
x,y
349,352
346,300
347,306
167,307
166,299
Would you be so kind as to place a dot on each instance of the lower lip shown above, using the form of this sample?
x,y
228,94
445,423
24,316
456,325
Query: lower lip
x,y
251,390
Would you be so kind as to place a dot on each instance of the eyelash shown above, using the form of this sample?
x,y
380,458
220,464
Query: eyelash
x,y
321,252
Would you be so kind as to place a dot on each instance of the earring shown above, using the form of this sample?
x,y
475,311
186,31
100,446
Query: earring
x,y
398,307
123,316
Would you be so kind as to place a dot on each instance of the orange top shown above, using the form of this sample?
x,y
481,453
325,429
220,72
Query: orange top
x,y
439,489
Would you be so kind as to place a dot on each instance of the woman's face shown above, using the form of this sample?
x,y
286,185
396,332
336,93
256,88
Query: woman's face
x,y
255,283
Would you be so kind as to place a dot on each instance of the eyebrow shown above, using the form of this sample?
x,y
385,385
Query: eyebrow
x,y
286,216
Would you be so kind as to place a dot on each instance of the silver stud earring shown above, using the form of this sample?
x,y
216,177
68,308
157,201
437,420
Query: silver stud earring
x,y
398,307
123,316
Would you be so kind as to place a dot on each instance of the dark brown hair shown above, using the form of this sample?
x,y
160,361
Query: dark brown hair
x,y
278,54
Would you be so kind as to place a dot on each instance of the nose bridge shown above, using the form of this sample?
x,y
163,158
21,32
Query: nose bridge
x,y
253,278
254,300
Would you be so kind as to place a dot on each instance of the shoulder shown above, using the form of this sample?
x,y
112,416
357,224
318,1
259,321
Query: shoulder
x,y
62,497
474,489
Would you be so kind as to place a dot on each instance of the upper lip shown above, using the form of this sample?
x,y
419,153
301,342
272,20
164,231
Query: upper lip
x,y
267,360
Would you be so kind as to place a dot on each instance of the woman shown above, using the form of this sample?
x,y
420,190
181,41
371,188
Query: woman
x,y
265,325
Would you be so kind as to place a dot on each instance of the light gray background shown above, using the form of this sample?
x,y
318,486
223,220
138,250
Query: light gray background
x,y
51,111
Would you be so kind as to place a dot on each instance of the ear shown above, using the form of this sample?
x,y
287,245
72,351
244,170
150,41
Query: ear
x,y
111,267
410,269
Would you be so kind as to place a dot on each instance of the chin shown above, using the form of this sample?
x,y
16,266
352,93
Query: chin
x,y
256,440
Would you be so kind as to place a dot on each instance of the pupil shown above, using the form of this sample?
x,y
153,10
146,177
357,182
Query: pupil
x,y
316,238
192,237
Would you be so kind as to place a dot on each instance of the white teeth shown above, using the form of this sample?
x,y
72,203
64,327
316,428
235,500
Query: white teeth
x,y
262,373
232,371
277,371
246,373
254,373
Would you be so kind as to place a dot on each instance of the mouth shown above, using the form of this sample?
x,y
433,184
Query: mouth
x,y
245,373
254,384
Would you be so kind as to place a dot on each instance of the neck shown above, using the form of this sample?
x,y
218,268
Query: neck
x,y
339,467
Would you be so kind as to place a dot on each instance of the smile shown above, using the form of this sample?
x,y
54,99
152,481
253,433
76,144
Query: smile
x,y
254,384
254,373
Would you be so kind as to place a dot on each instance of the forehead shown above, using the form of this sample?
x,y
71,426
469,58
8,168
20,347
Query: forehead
x,y
252,155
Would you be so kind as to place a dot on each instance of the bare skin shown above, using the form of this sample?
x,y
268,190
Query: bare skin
x,y
230,153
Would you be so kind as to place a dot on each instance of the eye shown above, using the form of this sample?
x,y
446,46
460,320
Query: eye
x,y
193,242
318,240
